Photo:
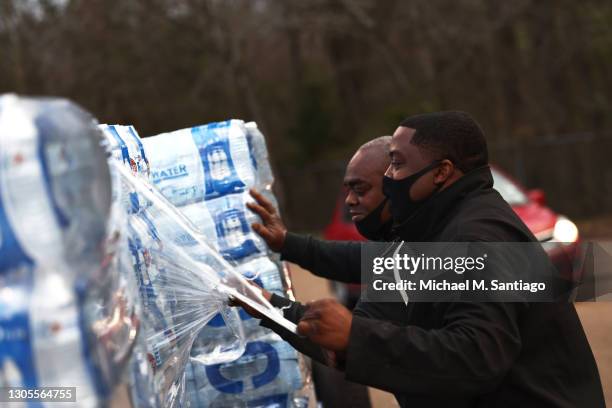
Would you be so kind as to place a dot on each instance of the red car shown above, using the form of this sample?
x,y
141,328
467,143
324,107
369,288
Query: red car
x,y
557,233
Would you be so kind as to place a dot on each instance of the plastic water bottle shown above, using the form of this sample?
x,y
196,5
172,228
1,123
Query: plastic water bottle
x,y
201,163
125,145
16,365
176,168
259,156
56,292
266,374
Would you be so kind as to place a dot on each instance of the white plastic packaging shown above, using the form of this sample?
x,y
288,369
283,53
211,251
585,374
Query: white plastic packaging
x,y
67,317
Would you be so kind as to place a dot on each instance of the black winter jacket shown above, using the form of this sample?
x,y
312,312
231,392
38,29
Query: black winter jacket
x,y
457,354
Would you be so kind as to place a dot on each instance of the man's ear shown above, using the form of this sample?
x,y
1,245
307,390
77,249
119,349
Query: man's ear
x,y
444,172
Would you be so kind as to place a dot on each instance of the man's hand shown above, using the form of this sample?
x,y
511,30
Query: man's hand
x,y
272,230
254,313
327,323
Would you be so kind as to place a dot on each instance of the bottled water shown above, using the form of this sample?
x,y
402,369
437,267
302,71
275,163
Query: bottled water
x,y
201,163
232,220
176,168
263,273
267,374
59,297
259,157
191,289
16,364
226,224
125,145
146,245
225,156
206,172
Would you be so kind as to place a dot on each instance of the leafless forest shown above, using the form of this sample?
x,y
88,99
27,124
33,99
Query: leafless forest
x,y
323,76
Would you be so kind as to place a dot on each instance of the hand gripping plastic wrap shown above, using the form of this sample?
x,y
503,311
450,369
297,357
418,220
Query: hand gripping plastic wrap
x,y
206,172
183,282
67,317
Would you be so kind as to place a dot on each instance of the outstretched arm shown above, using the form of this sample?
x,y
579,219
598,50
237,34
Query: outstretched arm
x,y
336,260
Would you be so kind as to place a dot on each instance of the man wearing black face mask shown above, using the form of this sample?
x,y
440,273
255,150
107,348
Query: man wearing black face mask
x,y
369,211
466,354
368,208
367,205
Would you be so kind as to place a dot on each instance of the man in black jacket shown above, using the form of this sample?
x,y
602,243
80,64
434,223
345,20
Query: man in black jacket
x,y
463,354
369,211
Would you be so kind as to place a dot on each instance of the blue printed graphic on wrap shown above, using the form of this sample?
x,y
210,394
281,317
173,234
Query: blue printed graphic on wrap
x,y
16,277
12,255
206,171
202,163
266,375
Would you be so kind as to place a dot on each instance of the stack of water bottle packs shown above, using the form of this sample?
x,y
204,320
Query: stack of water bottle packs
x,y
205,172
100,272
67,316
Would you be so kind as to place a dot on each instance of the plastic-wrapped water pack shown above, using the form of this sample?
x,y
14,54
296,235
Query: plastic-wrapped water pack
x,y
181,293
206,172
266,375
125,146
178,166
183,283
67,317
91,275
201,163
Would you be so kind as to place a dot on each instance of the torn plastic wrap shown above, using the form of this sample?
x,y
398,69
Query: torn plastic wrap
x,y
67,316
123,147
183,284
206,172
239,161
157,264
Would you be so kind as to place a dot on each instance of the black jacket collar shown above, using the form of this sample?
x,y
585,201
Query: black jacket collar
x,y
436,211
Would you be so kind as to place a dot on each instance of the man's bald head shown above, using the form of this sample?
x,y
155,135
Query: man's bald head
x,y
381,142
363,177
376,151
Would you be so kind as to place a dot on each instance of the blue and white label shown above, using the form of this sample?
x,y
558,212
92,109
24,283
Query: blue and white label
x,y
12,254
176,168
264,376
169,173
234,234
16,362
201,163
259,362
226,158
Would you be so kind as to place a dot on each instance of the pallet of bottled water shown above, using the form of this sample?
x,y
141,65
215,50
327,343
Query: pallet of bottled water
x,y
205,173
100,272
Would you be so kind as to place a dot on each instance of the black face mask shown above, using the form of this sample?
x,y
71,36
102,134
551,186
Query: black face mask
x,y
371,226
398,192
